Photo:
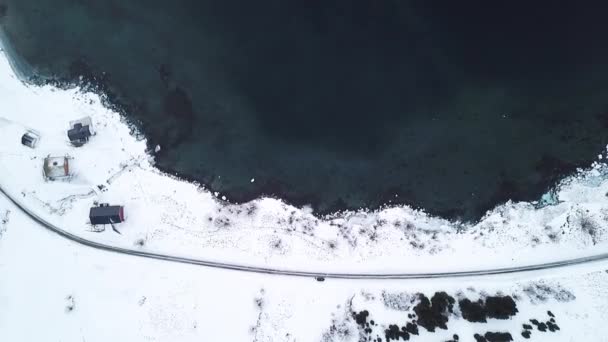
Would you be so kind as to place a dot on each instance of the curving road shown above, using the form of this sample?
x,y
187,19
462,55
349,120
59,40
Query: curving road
x,y
296,273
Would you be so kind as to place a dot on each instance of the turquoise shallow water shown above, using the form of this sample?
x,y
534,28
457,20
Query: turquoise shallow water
x,y
453,108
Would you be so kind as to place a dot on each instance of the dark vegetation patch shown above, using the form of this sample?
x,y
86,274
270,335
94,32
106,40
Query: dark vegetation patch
x,y
434,313
394,333
455,338
411,328
497,337
361,317
365,327
430,313
472,311
550,325
498,307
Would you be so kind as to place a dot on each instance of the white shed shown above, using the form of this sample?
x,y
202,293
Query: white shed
x,y
56,168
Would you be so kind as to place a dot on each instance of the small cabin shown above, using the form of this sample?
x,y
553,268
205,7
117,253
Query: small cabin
x,y
107,214
80,131
30,139
57,168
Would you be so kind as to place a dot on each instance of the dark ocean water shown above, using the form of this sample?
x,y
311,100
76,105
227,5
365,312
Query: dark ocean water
x,y
453,108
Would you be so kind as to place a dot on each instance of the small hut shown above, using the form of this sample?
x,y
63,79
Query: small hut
x,y
57,168
30,138
80,131
107,214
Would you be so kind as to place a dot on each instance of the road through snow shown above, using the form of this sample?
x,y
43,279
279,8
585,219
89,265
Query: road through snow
x,y
286,272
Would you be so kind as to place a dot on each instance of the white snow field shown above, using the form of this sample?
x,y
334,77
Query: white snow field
x,y
52,289
171,216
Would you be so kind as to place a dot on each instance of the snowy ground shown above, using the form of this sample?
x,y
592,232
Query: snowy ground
x,y
54,290
171,216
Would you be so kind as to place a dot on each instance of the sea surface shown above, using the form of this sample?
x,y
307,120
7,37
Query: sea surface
x,y
453,106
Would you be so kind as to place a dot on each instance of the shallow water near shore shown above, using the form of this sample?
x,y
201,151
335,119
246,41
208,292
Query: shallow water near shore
x,y
341,105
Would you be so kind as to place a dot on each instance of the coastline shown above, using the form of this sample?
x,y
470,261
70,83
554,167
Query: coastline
x,y
486,149
22,69
165,214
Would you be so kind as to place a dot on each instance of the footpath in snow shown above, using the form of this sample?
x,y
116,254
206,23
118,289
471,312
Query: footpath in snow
x,y
171,216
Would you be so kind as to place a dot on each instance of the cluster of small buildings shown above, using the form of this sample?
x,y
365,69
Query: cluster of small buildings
x,y
56,168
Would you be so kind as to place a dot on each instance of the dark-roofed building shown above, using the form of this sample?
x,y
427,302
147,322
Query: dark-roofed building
x,y
107,214
80,131
30,138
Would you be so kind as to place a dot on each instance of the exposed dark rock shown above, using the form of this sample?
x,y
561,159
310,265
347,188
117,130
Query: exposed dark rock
x,y
3,10
527,326
526,334
550,314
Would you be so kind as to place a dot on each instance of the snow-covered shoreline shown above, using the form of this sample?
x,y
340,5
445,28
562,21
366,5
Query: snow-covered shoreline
x,y
172,216
70,293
